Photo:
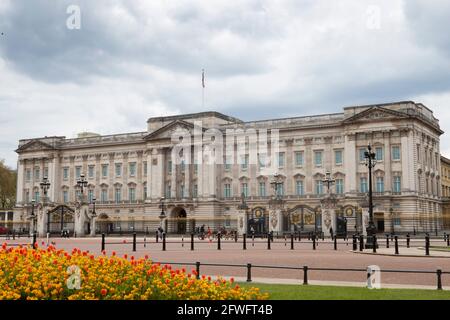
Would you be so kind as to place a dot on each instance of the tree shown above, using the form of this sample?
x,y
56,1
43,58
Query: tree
x,y
8,181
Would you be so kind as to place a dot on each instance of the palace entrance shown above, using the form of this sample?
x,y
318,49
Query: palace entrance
x,y
61,219
179,220
258,221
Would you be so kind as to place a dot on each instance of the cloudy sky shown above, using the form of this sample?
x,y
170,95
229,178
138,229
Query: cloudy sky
x,y
130,60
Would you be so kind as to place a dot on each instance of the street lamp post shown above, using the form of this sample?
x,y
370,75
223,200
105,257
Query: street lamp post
x,y
45,185
93,215
277,201
391,210
330,200
371,229
33,218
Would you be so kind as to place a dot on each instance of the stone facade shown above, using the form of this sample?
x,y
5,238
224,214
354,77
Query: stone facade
x,y
129,173
445,174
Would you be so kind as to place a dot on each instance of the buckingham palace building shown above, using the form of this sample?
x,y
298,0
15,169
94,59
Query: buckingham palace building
x,y
298,174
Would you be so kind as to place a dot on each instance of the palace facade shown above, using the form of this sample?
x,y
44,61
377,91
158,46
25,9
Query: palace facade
x,y
129,174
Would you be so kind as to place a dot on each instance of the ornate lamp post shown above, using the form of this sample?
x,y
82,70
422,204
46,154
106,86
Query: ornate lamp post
x,y
45,185
81,184
93,216
370,163
33,218
329,201
276,203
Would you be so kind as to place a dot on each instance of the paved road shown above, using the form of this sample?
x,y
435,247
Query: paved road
x,y
280,254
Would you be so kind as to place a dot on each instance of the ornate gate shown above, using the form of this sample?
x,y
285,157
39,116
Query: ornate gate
x,y
61,219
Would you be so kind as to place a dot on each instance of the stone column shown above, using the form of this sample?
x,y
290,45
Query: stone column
x,y
328,221
289,165
20,181
148,156
111,174
54,178
350,163
157,174
139,176
387,162
42,218
98,174
405,161
308,164
173,177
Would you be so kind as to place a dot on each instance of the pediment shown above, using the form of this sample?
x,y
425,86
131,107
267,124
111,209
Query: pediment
x,y
166,132
35,145
375,114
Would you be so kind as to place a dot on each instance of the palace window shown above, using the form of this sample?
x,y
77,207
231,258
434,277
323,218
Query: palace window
x,y
227,190
379,153
169,166
132,194
91,171
132,167
319,187
77,172
363,185
36,173
244,188
118,195
281,159
65,196
338,157
396,153
280,189
397,184
104,195
362,155
104,170
299,158
299,187
380,184
168,191
145,192
262,160
227,163
318,158
28,175
182,191
339,186
262,189
145,168
118,169
244,162
45,172
65,173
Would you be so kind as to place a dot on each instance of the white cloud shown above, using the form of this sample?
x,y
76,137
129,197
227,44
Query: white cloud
x,y
133,60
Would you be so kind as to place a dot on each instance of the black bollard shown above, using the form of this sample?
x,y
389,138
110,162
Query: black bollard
x,y
439,279
354,243
361,243
407,240
374,249
235,237
396,245
253,240
305,275
244,241
299,236
164,241
249,272
268,241
285,240
182,241
197,269
448,240
134,242
387,241
103,242
192,241
292,241
218,242
314,241
157,237
335,243
427,245
34,240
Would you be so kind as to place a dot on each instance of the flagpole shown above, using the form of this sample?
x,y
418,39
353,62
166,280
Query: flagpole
x,y
203,88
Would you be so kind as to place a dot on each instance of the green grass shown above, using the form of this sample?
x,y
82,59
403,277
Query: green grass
x,y
309,292
436,248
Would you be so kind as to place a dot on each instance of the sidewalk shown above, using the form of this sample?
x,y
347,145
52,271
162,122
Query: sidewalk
x,y
330,283
406,252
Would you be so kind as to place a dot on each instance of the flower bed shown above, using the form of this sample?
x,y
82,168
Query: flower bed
x,y
53,274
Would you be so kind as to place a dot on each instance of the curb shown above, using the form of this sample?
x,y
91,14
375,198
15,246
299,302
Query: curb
x,y
398,255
